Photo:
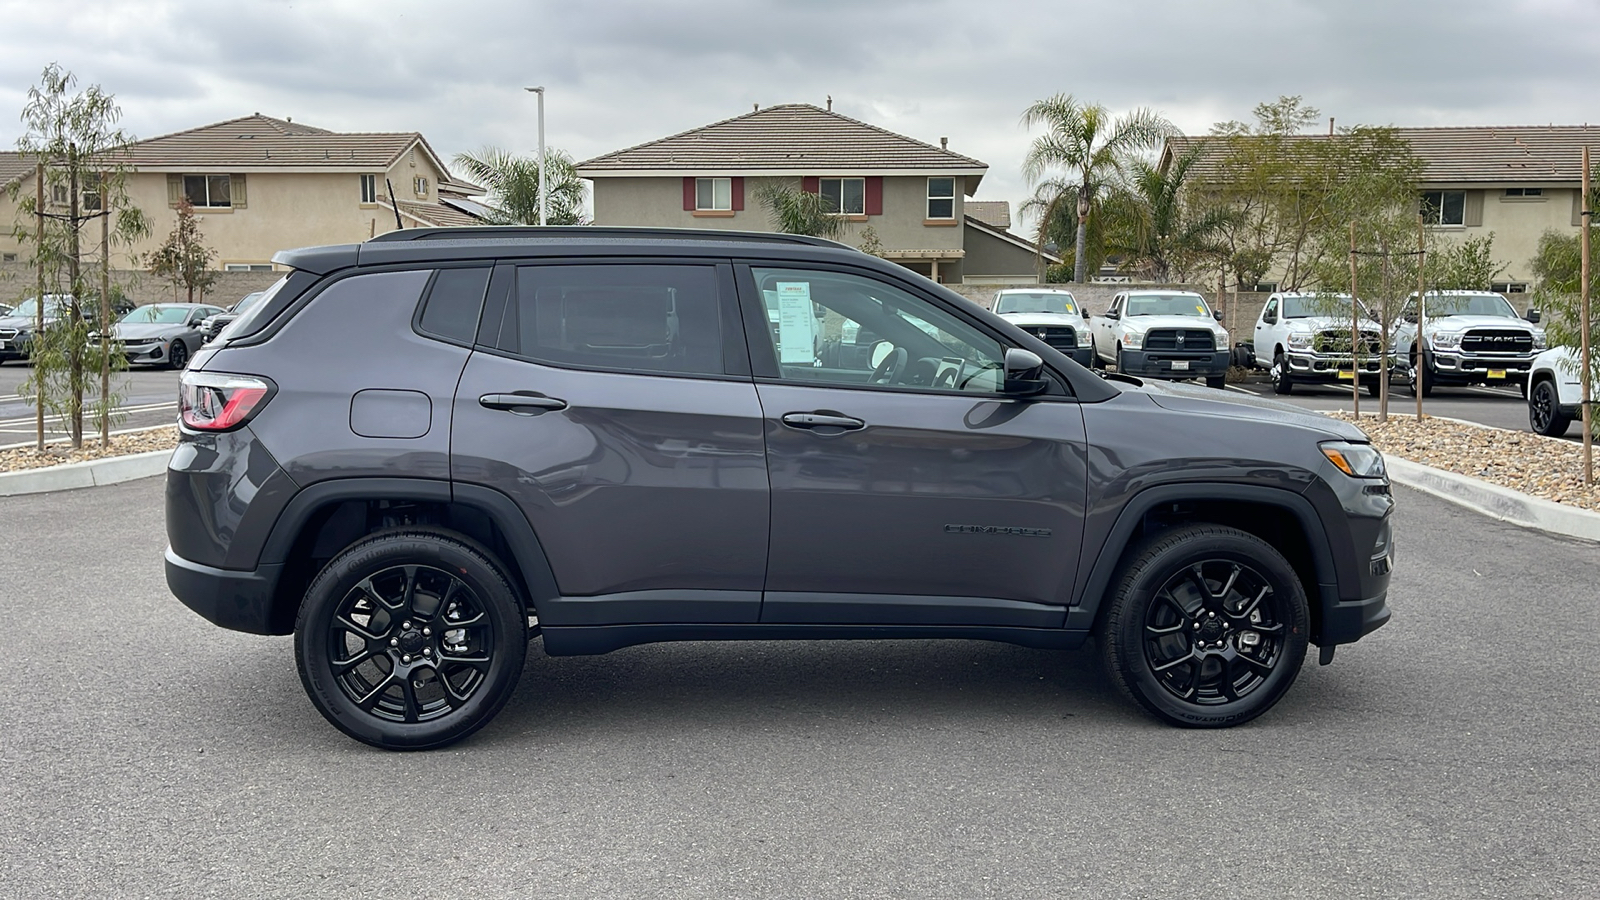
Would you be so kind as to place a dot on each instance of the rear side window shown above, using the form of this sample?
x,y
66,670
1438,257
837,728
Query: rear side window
x,y
633,317
454,302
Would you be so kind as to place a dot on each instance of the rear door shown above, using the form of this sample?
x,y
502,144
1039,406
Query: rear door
x,y
905,488
612,401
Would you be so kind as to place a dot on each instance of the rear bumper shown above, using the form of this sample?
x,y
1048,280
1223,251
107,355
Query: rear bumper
x,y
241,601
1174,363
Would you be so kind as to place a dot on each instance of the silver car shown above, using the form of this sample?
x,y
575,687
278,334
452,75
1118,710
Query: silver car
x,y
163,333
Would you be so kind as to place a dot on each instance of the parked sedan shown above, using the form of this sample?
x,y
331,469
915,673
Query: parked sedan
x,y
163,333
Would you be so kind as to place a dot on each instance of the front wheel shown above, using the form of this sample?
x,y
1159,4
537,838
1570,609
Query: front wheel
x,y
178,356
1374,388
1282,381
410,640
1208,627
1544,411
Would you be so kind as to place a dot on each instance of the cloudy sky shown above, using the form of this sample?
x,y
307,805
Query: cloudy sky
x,y
620,73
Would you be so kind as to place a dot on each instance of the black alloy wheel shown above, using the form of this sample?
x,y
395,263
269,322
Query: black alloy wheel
x,y
178,356
1208,628
1282,381
410,639
1544,411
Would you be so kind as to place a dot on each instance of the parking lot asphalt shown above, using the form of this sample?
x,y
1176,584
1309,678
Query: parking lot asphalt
x,y
149,397
1500,407
1451,754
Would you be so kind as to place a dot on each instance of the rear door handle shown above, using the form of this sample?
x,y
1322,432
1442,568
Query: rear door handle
x,y
822,420
521,404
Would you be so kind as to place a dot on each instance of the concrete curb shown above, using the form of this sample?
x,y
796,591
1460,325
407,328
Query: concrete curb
x,y
1495,501
84,474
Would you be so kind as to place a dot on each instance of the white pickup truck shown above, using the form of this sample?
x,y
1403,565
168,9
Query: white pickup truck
x,y
1162,334
1304,338
1469,337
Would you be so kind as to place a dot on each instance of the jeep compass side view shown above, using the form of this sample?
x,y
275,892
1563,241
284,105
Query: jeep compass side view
x,y
417,453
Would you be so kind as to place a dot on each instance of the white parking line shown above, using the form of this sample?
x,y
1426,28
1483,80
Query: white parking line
x,y
30,420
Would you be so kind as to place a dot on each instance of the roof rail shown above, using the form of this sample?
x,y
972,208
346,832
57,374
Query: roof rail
x,y
480,232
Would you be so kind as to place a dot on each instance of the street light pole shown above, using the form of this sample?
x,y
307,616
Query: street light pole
x,y
542,189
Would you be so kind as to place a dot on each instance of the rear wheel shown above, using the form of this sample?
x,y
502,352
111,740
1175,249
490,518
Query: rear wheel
x,y
1544,411
410,640
1207,628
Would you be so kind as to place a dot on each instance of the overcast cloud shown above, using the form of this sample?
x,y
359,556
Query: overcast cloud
x,y
620,73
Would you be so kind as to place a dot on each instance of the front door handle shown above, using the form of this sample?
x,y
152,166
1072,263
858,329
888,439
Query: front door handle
x,y
521,404
822,420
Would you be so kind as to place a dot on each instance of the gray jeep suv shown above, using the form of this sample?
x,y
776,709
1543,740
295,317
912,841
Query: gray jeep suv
x,y
418,453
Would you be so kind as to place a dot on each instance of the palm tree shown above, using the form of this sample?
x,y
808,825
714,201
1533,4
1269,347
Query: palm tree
x,y
1089,149
795,211
513,183
1153,225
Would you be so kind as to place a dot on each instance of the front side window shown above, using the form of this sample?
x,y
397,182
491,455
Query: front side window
x,y
941,198
632,317
713,193
843,329
213,191
844,196
1444,207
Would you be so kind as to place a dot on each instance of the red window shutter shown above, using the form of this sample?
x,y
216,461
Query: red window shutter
x,y
811,184
738,194
688,194
875,195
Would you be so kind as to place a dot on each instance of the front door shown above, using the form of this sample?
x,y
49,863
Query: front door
x,y
905,488
603,400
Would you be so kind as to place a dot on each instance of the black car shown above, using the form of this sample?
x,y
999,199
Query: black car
x,y
214,325
418,453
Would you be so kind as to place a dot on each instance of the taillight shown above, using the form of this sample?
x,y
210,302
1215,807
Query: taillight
x,y
216,401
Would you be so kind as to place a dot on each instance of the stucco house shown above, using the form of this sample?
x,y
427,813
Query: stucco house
x,y
260,185
1516,182
911,194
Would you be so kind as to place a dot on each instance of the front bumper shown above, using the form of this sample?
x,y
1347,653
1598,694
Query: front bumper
x,y
1454,367
1327,367
146,353
1174,363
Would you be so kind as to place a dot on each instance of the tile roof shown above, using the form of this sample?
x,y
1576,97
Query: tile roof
x,y
994,213
432,215
12,167
261,141
796,137
1468,155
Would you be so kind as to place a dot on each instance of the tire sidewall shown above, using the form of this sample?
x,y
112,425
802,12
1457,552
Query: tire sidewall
x,y
369,557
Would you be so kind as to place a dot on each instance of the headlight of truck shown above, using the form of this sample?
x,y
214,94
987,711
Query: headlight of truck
x,y
1355,460
1085,338
1538,340
1133,340
1445,340
1299,340
1222,338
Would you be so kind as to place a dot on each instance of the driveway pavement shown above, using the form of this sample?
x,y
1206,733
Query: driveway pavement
x,y
1452,754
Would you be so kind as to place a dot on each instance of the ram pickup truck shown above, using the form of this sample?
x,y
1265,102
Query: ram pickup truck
x,y
1305,339
1053,315
1162,334
1468,337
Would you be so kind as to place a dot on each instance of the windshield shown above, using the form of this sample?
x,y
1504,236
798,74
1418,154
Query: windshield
x,y
30,307
1468,305
157,315
1042,302
1167,305
248,301
1327,305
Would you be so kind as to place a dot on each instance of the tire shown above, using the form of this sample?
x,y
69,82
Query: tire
x,y
1213,658
178,356
1544,411
1095,362
1217,381
1282,381
1119,360
366,587
1374,388
1416,373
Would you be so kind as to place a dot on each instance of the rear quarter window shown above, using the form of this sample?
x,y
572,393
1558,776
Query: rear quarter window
x,y
453,303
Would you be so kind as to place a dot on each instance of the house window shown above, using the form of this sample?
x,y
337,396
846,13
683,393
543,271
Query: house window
x,y
1524,192
713,193
1444,207
1265,287
8,257
845,196
419,184
208,190
1509,287
941,198
369,189
247,267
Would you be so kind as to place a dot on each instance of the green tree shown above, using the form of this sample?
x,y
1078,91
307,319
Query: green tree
x,y
1082,150
513,184
183,259
1154,227
870,244
796,211
84,156
1465,266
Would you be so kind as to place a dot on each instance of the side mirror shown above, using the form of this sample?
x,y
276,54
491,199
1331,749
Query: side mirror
x,y
1085,311
1533,316
1410,318
1270,318
1113,314
1216,314
1024,373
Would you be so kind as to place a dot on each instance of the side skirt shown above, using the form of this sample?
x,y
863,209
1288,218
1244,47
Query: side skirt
x,y
596,639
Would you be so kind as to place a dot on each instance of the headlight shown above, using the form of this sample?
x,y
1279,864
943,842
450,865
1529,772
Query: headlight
x,y
1222,338
1085,338
1133,340
1445,340
1538,340
1300,340
1355,460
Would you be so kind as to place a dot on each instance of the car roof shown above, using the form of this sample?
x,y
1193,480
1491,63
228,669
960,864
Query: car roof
x,y
1161,292
1038,290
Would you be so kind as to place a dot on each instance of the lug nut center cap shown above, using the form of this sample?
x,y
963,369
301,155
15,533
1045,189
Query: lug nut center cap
x,y
1212,629
411,641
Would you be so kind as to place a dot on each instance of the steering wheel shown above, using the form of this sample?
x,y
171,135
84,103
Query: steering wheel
x,y
890,368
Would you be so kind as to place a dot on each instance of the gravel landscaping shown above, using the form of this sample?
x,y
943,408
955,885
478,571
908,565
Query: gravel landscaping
x,y
162,438
1550,468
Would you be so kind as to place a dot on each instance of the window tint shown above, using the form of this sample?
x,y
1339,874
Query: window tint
x,y
454,303
847,329
637,317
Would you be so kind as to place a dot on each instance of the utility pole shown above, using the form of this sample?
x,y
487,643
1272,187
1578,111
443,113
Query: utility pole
x,y
1585,352
38,309
1355,328
543,192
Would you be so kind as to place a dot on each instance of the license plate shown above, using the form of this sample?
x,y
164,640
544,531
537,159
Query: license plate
x,y
1346,375
1180,365
1497,373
